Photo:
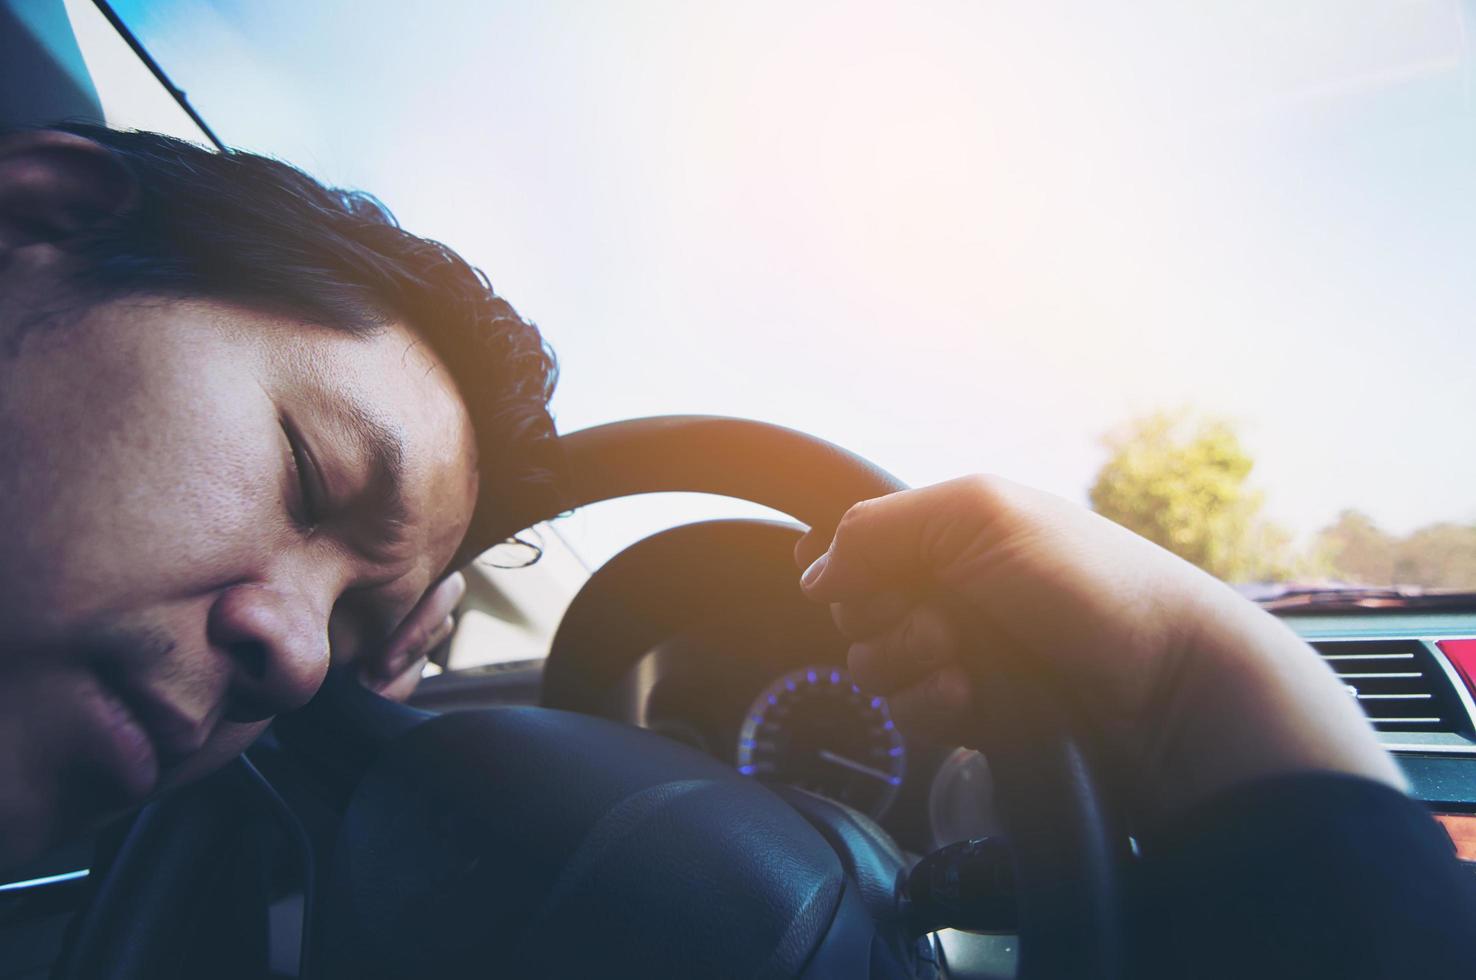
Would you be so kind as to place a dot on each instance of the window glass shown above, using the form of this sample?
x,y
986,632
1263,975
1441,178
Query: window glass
x,y
1206,266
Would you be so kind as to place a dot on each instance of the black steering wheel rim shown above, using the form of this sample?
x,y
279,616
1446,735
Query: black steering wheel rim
x,y
1067,845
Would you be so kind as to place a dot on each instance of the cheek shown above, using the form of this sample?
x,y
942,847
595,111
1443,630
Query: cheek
x,y
143,490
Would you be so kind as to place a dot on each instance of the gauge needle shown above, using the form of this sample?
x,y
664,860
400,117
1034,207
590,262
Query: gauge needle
x,y
855,766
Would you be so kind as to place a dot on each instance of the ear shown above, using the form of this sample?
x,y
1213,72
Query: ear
x,y
55,185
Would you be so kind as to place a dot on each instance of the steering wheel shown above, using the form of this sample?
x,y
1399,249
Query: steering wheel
x,y
535,841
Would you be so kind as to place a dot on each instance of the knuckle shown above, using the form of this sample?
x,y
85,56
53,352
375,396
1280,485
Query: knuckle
x,y
423,639
417,637
855,516
862,513
983,488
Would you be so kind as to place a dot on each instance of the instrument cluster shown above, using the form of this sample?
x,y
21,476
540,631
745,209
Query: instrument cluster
x,y
814,729
804,723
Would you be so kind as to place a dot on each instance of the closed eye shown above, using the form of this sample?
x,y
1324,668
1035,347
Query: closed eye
x,y
307,506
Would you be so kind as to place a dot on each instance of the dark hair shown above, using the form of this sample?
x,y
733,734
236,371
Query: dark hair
x,y
248,229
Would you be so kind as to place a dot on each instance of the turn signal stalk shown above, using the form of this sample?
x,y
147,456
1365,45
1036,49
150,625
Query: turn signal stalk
x,y
969,885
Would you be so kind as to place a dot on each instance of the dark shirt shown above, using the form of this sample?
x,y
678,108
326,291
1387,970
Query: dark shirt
x,y
1306,876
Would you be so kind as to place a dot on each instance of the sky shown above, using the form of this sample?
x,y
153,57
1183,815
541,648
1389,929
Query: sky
x,y
952,236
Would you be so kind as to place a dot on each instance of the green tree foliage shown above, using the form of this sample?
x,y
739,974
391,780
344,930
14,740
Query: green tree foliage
x,y
1355,550
1181,482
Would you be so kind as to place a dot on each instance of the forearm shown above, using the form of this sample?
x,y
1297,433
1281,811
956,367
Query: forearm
x,y
1252,701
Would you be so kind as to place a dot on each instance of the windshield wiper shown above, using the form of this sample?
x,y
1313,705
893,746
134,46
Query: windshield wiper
x,y
1296,599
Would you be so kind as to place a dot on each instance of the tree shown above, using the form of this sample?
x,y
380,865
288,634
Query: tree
x,y
1355,550
1181,482
1438,556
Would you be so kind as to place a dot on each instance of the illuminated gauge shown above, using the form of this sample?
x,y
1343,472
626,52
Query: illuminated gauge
x,y
814,729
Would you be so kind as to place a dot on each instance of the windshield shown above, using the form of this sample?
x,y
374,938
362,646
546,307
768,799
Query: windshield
x,y
1206,267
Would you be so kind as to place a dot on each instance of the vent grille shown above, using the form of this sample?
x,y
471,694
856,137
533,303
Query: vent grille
x,y
1399,685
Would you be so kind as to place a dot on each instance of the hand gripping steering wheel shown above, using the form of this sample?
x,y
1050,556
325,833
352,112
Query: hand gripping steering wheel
x,y
1067,848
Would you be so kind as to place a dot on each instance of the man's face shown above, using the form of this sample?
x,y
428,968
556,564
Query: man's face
x,y
198,502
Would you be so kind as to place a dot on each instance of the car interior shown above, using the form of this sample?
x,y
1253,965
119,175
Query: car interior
x,y
671,770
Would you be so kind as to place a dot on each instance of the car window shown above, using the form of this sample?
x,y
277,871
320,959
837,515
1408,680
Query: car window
x,y
1203,266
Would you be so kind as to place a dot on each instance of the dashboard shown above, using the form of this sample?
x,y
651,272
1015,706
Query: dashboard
x,y
727,657
787,712
782,708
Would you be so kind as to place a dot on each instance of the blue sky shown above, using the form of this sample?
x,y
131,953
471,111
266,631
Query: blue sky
x,y
952,236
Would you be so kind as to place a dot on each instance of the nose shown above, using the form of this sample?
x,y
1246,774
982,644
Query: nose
x,y
277,641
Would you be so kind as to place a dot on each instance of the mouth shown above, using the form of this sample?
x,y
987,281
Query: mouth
x,y
135,734
122,747
173,733
147,735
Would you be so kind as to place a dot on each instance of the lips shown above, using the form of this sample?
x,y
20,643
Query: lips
x,y
140,709
174,732
119,745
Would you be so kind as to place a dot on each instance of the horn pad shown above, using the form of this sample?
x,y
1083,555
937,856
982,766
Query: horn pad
x,y
532,842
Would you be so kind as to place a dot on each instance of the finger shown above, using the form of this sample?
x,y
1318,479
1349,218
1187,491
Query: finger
x,y
420,631
431,638
401,687
911,539
811,546
876,614
416,646
921,643
433,607
937,706
444,598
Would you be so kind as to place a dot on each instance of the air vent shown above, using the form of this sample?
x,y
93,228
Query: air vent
x,y
1398,683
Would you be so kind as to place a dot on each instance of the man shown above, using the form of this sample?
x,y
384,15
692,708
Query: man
x,y
234,440
247,423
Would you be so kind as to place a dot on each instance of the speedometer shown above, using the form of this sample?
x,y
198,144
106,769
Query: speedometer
x,y
814,729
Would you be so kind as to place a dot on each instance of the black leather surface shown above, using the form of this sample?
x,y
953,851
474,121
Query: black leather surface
x,y
872,862
531,842
867,853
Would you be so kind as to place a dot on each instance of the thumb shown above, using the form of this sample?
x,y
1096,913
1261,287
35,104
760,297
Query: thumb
x,y
814,543
906,540
855,564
